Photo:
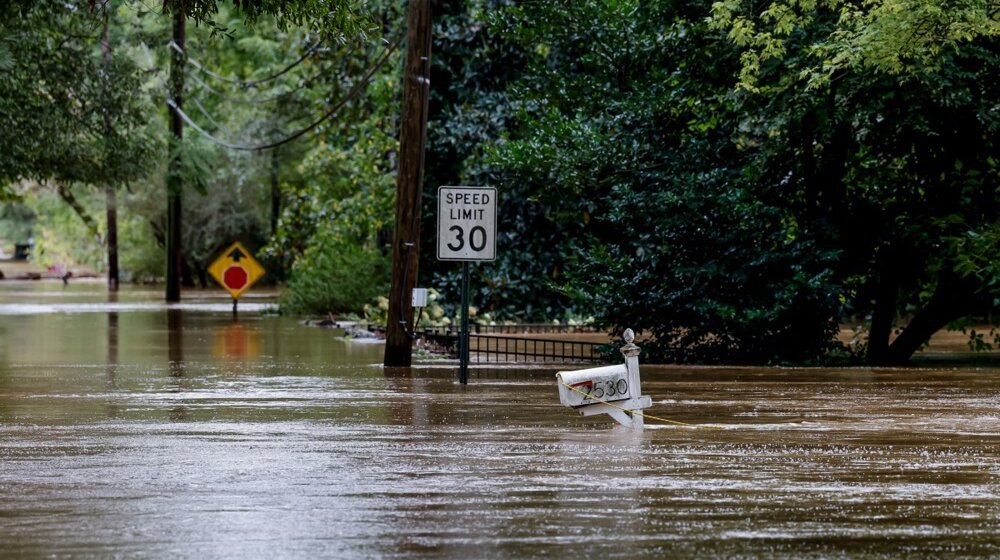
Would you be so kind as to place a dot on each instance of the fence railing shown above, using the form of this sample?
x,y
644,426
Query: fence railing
x,y
519,328
498,348
493,348
528,328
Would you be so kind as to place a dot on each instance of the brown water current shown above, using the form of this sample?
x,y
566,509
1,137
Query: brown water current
x,y
128,429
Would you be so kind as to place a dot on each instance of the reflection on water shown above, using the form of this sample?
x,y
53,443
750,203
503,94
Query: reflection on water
x,y
181,433
236,341
175,342
111,366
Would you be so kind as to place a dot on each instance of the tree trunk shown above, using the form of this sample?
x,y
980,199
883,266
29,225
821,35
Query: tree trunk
x,y
885,310
409,183
175,255
952,300
112,205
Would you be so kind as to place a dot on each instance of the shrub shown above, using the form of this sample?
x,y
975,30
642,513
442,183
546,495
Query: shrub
x,y
335,276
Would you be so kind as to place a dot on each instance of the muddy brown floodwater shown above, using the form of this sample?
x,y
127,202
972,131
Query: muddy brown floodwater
x,y
131,430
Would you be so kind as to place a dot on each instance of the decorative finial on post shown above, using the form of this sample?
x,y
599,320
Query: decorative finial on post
x,y
630,350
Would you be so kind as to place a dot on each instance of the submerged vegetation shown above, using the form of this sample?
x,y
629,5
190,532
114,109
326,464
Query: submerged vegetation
x,y
735,179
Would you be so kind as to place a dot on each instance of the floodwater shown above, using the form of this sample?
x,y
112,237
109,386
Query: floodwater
x,y
129,429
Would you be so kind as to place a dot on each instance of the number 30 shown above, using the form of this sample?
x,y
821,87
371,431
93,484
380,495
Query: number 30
x,y
459,244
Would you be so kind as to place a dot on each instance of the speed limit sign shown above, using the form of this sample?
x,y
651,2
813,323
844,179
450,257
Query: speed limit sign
x,y
467,224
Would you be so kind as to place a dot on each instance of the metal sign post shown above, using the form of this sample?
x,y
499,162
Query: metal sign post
x,y
463,344
467,232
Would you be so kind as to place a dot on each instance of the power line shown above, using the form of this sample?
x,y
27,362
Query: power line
x,y
277,97
245,84
201,108
365,79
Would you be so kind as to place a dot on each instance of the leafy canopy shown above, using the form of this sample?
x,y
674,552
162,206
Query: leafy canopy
x,y
900,37
68,114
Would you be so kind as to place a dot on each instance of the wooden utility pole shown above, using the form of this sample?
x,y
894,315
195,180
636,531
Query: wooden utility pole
x,y
409,183
175,183
110,191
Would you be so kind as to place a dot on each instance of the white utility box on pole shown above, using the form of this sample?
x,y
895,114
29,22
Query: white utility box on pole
x,y
419,298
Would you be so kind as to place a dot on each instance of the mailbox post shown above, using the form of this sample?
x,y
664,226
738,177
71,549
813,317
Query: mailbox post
x,y
611,390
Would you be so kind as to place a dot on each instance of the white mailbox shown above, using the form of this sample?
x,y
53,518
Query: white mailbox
x,y
591,386
611,390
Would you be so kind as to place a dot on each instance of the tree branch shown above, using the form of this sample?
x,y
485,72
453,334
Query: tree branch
x,y
88,220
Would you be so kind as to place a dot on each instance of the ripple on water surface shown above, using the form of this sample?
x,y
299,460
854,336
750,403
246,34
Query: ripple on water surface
x,y
145,435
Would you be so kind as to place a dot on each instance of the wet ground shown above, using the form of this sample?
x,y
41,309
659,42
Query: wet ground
x,y
132,430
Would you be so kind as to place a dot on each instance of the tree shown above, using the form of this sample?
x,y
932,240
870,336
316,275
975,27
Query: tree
x,y
825,38
476,61
60,123
338,198
737,225
331,20
624,145
63,120
875,124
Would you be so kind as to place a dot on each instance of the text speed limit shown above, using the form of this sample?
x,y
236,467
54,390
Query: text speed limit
x,y
467,219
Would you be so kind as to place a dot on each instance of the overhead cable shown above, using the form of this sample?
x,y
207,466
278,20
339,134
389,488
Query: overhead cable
x,y
203,111
264,100
365,79
245,84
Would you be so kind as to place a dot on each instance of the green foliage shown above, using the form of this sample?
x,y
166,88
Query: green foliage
x,y
61,238
624,190
825,38
16,222
895,167
713,274
227,194
335,19
339,202
732,226
850,173
62,118
335,276
475,62
142,257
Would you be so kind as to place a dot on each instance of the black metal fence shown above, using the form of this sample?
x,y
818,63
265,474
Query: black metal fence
x,y
497,348
528,328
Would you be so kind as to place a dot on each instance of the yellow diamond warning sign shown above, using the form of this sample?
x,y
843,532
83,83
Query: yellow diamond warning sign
x,y
235,270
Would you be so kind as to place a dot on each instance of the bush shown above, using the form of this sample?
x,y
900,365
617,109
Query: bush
x,y
335,276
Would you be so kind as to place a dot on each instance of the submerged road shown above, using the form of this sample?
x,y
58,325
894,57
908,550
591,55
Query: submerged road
x,y
132,430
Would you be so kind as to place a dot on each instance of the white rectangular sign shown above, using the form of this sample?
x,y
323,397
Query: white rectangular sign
x,y
467,224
